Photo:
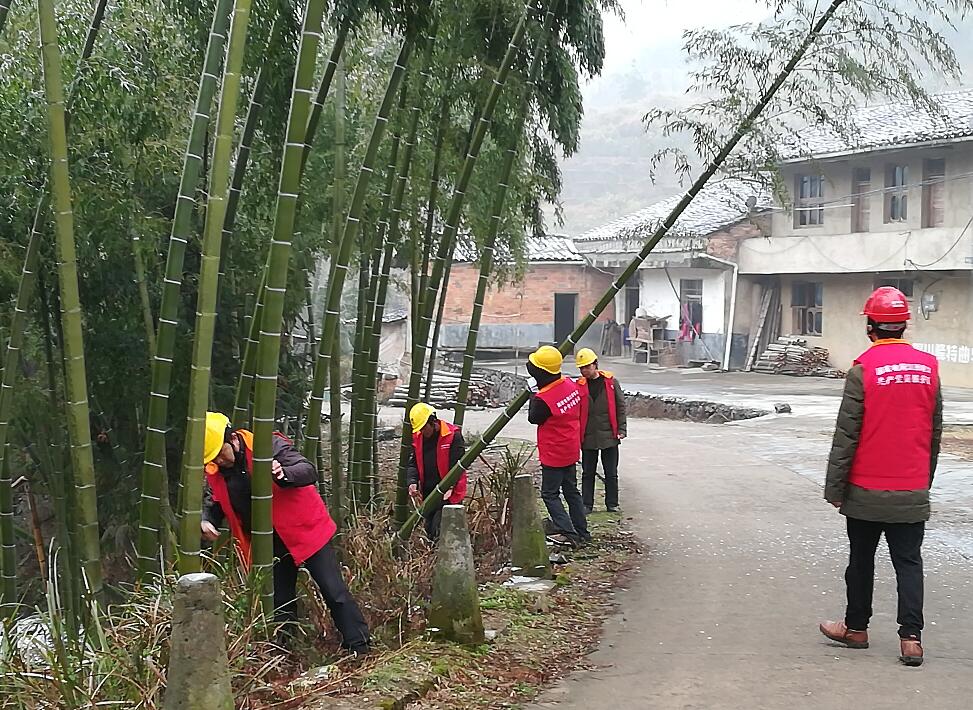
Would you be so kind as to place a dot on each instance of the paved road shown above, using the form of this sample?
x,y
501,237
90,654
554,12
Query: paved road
x,y
743,558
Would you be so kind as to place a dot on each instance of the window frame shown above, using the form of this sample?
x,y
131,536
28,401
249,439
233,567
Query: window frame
x,y
808,206
933,185
807,312
686,298
896,198
861,199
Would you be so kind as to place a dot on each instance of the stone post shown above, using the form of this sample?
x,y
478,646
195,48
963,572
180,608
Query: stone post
x,y
198,675
454,611
529,546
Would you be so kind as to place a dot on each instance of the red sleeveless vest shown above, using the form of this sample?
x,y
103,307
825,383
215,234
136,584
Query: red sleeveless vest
x,y
585,403
446,434
299,515
559,438
895,445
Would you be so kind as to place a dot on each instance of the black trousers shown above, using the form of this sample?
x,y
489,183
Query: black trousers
x,y
433,522
554,482
589,466
326,572
905,548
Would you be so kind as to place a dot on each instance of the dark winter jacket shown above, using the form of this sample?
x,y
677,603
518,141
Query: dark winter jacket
x,y
598,434
538,412
298,471
873,505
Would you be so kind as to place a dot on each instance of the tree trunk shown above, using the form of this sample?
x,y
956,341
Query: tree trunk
x,y
199,381
329,329
8,549
76,389
154,474
268,357
661,231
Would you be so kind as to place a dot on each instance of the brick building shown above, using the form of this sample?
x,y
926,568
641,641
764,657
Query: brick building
x,y
557,289
691,276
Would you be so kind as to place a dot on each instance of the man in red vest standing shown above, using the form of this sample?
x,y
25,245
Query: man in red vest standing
x,y
302,526
884,455
436,447
555,407
603,426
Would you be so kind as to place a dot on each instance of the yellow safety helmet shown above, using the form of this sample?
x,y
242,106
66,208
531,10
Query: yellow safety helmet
x,y
419,416
548,358
216,426
585,357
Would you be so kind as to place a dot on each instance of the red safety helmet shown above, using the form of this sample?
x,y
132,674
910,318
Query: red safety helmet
x,y
887,305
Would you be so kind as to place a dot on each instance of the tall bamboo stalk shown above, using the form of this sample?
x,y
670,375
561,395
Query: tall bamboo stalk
x,y
268,356
154,475
349,235
199,380
489,245
8,549
244,387
76,387
438,323
324,88
334,366
453,216
520,400
143,288
28,277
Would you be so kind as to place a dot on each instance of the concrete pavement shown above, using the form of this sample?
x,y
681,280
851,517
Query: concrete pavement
x,y
743,558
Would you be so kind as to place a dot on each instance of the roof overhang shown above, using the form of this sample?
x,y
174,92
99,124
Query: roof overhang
x,y
891,148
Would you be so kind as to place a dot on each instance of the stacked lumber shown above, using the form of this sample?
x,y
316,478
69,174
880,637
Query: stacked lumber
x,y
444,390
790,355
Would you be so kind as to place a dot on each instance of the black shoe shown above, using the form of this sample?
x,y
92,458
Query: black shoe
x,y
614,509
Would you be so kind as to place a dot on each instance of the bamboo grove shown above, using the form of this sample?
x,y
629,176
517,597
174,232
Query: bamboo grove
x,y
213,205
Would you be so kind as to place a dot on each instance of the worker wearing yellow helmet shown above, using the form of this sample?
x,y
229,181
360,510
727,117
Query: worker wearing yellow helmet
x,y
436,447
555,407
302,527
603,426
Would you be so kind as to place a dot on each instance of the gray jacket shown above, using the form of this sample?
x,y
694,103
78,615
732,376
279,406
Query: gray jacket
x,y
598,433
873,505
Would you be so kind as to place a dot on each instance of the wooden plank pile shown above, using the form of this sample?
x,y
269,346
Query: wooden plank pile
x,y
790,355
445,387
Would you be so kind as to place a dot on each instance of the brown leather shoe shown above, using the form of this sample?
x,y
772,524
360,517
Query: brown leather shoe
x,y
838,632
910,651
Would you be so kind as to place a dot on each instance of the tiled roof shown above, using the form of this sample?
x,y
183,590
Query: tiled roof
x,y
717,206
391,314
887,125
550,248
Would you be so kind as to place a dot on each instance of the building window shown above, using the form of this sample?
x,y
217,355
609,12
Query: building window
x,y
861,200
806,301
809,208
934,193
690,308
906,286
896,193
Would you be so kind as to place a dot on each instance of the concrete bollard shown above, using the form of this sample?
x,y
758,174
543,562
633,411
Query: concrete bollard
x,y
529,556
454,611
198,675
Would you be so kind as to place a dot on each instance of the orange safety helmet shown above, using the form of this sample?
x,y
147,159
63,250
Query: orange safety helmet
x,y
887,305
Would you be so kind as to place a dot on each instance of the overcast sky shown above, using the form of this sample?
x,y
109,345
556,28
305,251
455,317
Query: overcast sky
x,y
652,31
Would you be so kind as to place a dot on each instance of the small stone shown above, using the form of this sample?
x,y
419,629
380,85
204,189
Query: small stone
x,y
782,408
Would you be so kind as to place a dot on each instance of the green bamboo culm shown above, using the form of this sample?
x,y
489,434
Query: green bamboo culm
x,y
329,330
244,387
8,549
489,245
76,386
28,276
449,480
199,379
453,217
154,474
268,354
334,366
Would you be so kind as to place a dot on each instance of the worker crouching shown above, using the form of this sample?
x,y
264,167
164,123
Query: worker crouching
x,y
437,446
302,527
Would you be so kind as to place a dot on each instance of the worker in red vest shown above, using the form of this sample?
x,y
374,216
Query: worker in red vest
x,y
302,526
603,426
436,447
883,458
555,407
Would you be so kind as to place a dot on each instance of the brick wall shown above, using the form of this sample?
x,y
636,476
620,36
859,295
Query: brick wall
x,y
726,244
529,301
